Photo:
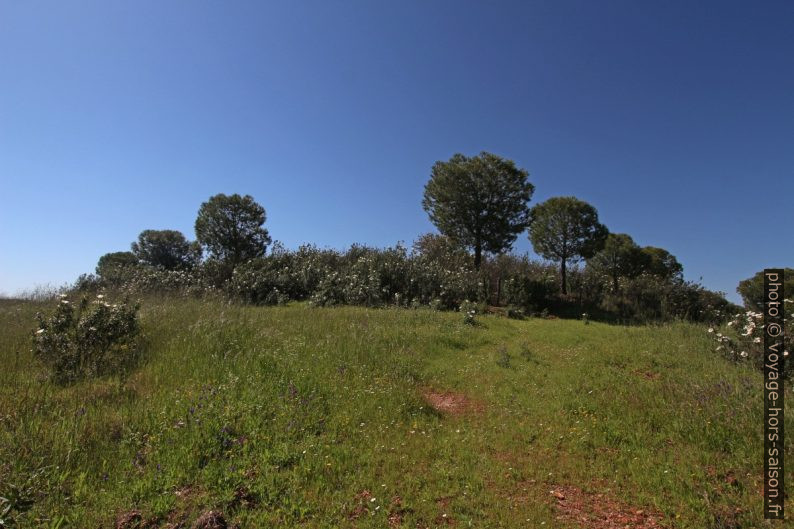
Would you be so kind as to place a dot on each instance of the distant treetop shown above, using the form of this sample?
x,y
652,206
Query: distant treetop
x,y
230,228
480,202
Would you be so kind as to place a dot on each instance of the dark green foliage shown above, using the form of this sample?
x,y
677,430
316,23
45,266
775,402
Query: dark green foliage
x,y
214,272
167,249
752,289
442,250
92,339
566,229
662,263
620,258
480,202
112,263
230,228
650,298
360,276
530,292
436,274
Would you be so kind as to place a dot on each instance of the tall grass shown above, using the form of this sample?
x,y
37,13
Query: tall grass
x,y
308,417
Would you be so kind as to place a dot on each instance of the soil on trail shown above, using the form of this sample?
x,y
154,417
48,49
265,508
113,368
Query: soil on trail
x,y
599,511
451,403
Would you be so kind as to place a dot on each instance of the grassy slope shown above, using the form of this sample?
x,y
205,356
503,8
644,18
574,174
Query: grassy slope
x,y
284,416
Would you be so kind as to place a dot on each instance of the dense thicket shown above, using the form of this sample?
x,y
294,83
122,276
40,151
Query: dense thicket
x,y
480,205
434,273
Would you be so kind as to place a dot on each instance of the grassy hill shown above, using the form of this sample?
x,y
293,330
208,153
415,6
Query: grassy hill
x,y
348,417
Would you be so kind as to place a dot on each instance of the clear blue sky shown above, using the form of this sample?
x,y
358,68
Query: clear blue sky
x,y
675,119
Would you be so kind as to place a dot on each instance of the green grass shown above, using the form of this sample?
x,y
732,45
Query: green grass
x,y
285,416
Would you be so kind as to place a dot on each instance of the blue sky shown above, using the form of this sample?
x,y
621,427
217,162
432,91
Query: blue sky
x,y
675,119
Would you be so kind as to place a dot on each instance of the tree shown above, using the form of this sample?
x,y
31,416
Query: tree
x,y
566,229
441,249
111,263
620,257
168,249
230,228
479,202
662,263
752,289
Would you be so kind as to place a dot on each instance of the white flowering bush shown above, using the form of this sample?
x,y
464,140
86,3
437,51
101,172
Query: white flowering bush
x,y
263,282
742,338
436,273
90,339
469,310
151,280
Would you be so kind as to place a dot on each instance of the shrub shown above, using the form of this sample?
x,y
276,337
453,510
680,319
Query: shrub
x,y
469,309
742,338
263,281
93,339
529,293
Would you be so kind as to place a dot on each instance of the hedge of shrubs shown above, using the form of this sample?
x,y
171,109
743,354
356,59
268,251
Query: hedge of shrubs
x,y
427,275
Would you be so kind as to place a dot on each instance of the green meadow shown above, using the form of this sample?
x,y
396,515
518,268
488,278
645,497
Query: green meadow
x,y
352,417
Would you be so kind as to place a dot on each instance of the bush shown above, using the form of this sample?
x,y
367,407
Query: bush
x,y
469,309
531,294
93,339
742,338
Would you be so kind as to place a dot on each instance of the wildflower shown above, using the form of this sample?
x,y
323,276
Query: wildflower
x,y
785,353
711,329
62,296
65,301
756,340
40,331
743,354
100,296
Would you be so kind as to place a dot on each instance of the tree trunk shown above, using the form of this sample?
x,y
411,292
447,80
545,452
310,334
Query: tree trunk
x,y
477,256
563,286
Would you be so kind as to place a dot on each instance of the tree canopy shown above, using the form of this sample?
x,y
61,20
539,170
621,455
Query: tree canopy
x,y
566,229
231,228
620,257
480,202
752,289
112,262
168,249
662,263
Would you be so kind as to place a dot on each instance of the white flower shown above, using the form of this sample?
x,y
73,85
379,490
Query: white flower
x,y
785,353
40,331
62,296
65,301
711,329
100,296
756,340
743,354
